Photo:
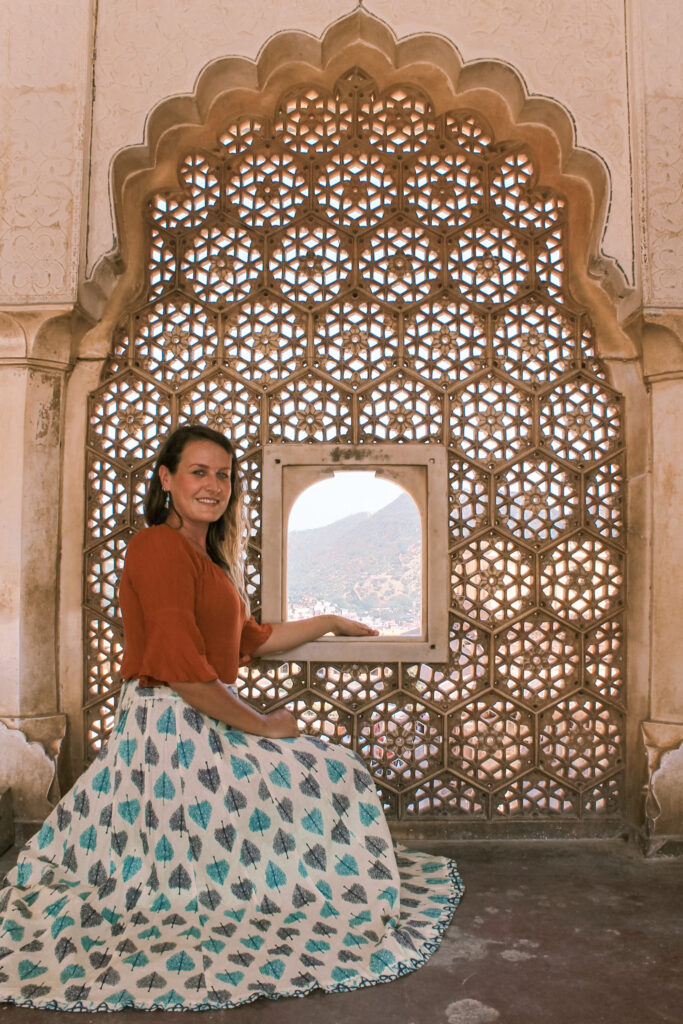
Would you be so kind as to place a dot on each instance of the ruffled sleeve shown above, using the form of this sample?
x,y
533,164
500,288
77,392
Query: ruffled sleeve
x,y
157,596
253,635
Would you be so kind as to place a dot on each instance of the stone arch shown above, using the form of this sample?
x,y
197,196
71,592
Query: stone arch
x,y
431,63
493,88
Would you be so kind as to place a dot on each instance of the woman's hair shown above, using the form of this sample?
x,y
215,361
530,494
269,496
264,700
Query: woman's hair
x,y
226,537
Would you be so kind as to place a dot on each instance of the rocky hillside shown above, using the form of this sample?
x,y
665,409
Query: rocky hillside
x,y
366,565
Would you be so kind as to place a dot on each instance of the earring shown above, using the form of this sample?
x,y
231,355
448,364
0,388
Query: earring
x,y
167,499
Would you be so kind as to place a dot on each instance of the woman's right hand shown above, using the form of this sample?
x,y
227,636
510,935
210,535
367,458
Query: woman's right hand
x,y
281,724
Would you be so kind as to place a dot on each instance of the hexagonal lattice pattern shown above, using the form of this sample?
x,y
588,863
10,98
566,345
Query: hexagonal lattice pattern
x,y
537,342
492,579
580,739
399,121
98,721
467,131
107,497
491,740
581,579
444,189
354,685
468,498
536,796
250,475
605,798
445,340
105,650
402,741
465,674
604,661
266,188
128,416
523,207
311,263
446,796
399,263
537,661
318,717
537,500
309,409
355,342
489,420
353,268
163,264
491,264
103,568
226,406
221,263
242,135
265,341
266,685
605,499
175,340
356,190
312,120
550,263
140,482
400,409
580,420
195,203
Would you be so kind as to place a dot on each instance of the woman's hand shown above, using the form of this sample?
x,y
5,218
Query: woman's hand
x,y
286,635
349,627
281,724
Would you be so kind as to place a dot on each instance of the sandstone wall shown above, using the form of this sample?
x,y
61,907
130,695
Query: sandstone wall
x,y
79,84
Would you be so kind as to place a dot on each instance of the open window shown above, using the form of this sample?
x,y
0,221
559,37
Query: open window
x,y
361,531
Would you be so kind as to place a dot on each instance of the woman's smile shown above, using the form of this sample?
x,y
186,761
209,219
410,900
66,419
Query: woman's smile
x,y
199,489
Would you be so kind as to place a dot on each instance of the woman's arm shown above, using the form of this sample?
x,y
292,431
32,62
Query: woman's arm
x,y
218,701
286,635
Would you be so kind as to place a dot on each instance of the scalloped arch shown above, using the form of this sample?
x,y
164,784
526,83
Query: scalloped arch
x,y
236,85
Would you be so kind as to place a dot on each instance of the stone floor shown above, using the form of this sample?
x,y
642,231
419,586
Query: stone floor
x,y
547,933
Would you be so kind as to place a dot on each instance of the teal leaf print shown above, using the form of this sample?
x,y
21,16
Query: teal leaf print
x,y
275,877
164,788
129,810
200,812
166,723
281,776
259,821
242,769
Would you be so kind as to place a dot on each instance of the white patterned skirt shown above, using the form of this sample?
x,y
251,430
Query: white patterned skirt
x,y
194,867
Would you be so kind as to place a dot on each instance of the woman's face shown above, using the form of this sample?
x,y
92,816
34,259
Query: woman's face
x,y
200,487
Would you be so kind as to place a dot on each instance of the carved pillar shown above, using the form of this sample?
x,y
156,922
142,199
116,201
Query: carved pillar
x,y
45,84
658,110
35,350
663,731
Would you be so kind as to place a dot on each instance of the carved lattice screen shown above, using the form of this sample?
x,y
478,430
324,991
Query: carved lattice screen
x,y
357,270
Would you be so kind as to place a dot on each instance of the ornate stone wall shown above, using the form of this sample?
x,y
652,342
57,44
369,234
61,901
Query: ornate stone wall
x,y
44,102
570,50
615,67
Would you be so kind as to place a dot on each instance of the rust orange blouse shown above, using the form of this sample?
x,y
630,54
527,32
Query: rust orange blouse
x,y
183,620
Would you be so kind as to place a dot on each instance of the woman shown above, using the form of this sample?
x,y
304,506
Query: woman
x,y
211,855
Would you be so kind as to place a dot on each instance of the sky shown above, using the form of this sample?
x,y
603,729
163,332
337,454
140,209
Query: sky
x,y
341,495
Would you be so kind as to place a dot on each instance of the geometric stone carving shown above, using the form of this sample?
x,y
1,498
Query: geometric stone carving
x,y
355,269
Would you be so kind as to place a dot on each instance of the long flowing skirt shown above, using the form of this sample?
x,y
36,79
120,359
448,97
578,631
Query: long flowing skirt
x,y
194,866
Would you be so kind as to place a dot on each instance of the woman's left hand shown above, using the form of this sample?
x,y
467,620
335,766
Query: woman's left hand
x,y
349,627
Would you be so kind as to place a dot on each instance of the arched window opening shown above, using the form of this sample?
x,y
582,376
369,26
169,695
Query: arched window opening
x,y
357,270
354,548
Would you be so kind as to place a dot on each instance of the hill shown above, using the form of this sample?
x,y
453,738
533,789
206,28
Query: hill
x,y
367,566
